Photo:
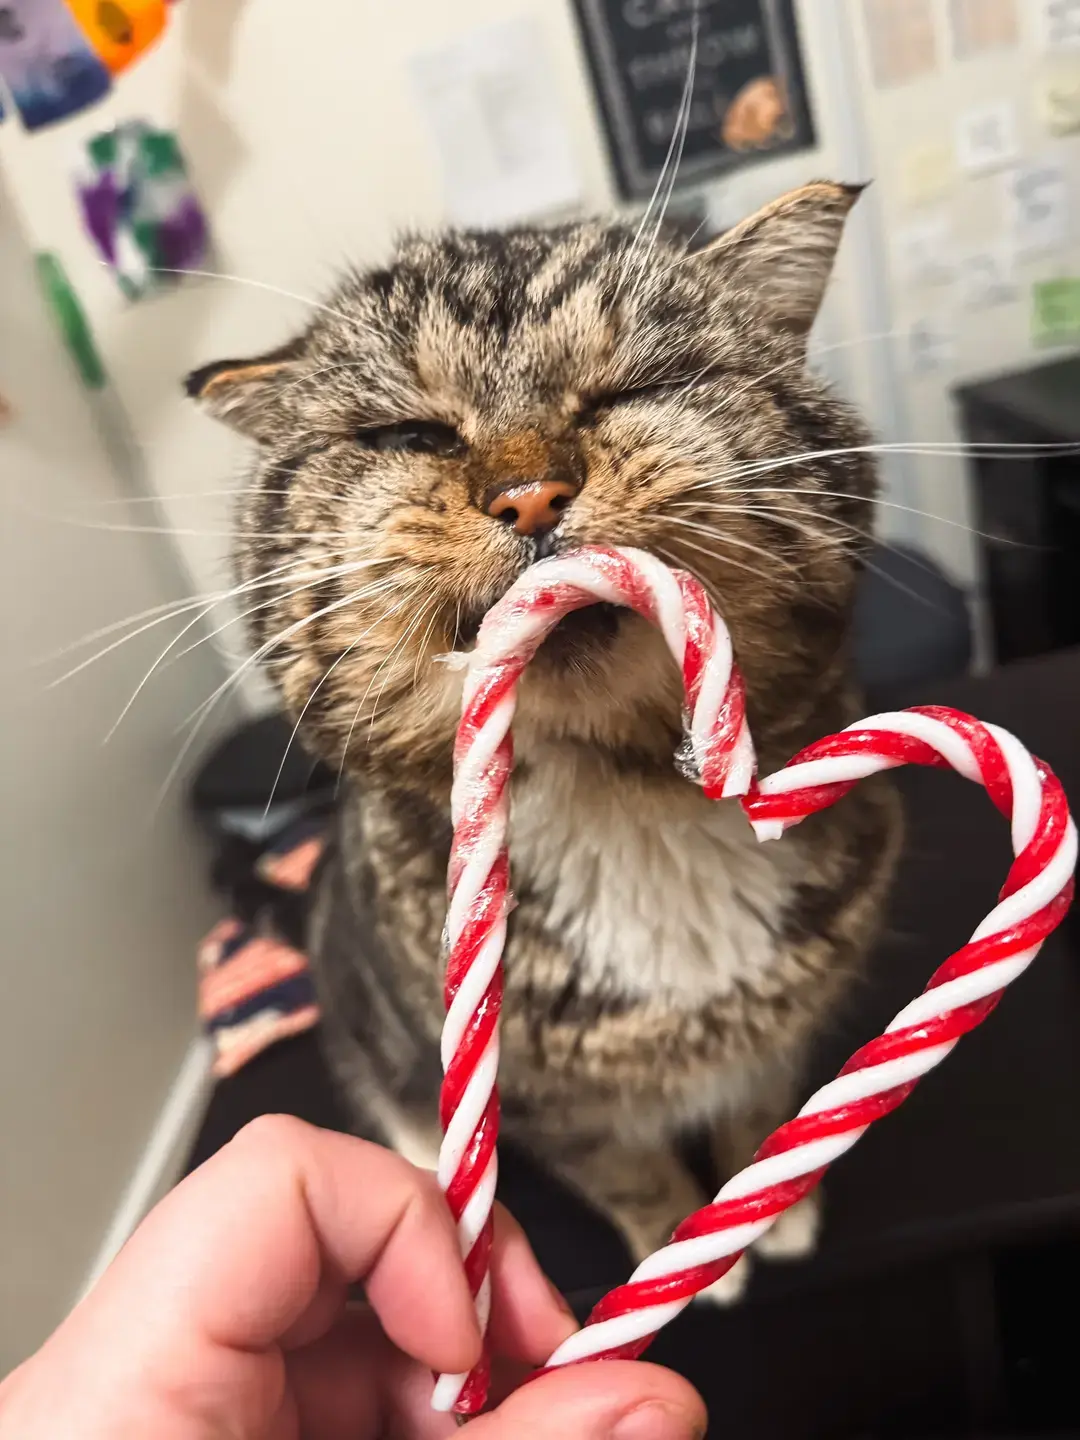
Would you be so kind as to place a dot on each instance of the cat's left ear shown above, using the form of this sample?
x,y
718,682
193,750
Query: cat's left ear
x,y
783,254
247,394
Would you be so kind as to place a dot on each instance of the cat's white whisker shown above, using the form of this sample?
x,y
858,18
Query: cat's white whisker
x,y
784,517
391,659
870,500
312,583
363,699
179,606
928,449
838,542
682,128
351,320
310,375
179,530
422,647
731,540
213,634
796,522
173,611
199,717
125,500
308,702
672,160
715,555
800,359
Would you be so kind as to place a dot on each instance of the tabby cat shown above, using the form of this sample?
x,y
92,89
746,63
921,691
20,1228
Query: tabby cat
x,y
484,400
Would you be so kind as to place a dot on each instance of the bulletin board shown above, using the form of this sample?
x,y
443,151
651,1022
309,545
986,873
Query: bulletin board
x,y
749,96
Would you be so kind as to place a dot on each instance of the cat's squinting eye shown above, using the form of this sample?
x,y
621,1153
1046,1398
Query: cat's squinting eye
x,y
420,437
608,399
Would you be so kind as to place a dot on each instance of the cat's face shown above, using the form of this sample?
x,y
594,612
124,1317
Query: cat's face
x,y
490,398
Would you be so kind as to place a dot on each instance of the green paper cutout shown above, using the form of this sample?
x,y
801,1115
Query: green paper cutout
x,y
1055,311
70,319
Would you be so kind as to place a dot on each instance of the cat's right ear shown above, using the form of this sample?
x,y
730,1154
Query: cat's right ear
x,y
783,255
247,394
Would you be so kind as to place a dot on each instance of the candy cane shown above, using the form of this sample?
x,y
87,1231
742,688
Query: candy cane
x,y
960,995
719,754
876,1079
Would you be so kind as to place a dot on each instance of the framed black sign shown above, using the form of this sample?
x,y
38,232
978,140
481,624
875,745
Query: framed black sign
x,y
748,98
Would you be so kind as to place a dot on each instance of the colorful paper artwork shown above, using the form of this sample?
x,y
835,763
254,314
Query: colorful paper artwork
x,y
978,26
1036,203
1059,24
901,39
1055,311
47,64
986,137
985,277
139,207
492,104
70,319
927,173
1057,100
923,251
931,346
120,30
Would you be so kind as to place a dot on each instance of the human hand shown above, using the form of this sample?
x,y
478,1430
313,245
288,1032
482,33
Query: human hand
x,y
225,1315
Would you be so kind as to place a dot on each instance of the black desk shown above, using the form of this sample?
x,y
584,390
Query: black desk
x,y
950,1227
1026,489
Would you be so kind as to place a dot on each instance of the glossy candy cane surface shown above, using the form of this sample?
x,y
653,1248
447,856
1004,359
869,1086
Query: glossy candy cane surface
x,y
960,995
719,754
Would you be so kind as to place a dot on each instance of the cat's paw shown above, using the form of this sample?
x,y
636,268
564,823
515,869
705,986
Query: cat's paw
x,y
794,1234
729,1288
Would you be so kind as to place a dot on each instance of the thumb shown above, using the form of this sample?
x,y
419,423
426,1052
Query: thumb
x,y
603,1400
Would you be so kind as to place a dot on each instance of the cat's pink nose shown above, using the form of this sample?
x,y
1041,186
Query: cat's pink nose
x,y
532,507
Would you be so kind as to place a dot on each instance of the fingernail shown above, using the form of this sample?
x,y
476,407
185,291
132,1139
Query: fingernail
x,y
656,1421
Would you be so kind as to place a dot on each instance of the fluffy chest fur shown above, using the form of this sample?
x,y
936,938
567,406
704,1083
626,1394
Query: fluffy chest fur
x,y
655,892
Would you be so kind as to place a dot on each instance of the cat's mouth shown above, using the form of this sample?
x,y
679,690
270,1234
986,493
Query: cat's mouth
x,y
581,635
578,637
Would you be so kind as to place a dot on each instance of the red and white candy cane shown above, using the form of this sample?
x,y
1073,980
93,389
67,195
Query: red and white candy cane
x,y
960,995
719,753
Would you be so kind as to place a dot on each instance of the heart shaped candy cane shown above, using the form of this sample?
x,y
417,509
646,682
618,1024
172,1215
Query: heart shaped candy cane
x,y
960,994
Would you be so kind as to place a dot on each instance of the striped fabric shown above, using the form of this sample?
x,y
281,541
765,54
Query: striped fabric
x,y
254,987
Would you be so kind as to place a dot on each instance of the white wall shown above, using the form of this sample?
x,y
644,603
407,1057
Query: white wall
x,y
308,148
102,888
923,112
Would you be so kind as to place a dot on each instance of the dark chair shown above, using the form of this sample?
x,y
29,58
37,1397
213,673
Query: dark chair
x,y
911,622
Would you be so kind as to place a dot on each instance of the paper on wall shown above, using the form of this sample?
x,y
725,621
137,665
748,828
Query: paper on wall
x,y
1055,311
492,105
1059,24
931,346
1057,100
986,137
901,39
1037,206
923,251
981,25
986,277
927,173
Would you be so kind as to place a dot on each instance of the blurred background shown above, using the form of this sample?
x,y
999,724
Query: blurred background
x,y
260,145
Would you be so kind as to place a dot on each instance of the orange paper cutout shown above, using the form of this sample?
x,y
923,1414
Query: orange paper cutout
x,y
120,30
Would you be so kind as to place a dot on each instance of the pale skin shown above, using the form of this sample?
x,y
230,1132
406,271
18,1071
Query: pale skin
x,y
225,1318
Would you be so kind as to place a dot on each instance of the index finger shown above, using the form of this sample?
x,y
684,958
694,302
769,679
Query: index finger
x,y
239,1253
